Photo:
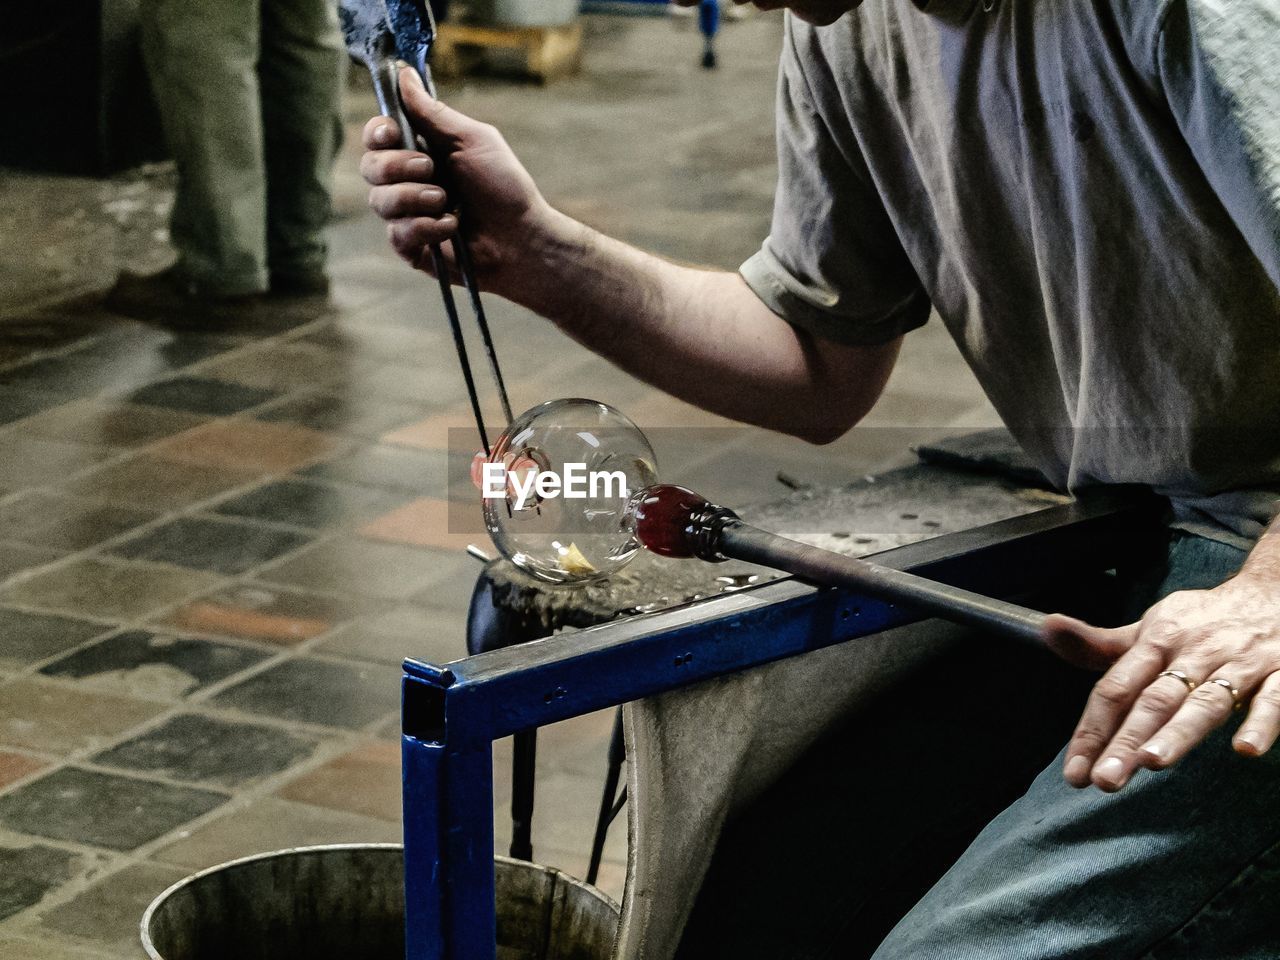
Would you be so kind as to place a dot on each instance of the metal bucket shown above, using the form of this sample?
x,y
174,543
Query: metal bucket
x,y
346,902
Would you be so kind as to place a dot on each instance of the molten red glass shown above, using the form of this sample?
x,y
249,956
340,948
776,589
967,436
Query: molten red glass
x,y
664,519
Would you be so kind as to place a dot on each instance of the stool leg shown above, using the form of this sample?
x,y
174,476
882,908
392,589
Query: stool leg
x,y
523,772
709,23
491,627
617,756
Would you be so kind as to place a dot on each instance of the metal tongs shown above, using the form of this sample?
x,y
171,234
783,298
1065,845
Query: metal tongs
x,y
384,34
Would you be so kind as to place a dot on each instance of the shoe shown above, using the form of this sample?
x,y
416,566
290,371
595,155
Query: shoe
x,y
307,283
172,297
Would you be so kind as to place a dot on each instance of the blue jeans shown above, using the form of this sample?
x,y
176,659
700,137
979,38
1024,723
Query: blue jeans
x,y
955,776
1183,863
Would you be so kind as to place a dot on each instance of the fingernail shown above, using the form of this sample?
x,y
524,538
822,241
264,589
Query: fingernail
x,y
431,194
1110,769
415,79
383,134
1156,749
1077,768
1252,739
418,167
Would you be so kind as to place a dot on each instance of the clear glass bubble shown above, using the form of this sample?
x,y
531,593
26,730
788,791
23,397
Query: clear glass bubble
x,y
556,489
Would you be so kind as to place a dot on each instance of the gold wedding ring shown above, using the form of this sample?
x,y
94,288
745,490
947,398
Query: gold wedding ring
x,y
1228,686
1178,675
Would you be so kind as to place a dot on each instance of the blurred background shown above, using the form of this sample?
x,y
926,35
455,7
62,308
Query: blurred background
x,y
223,510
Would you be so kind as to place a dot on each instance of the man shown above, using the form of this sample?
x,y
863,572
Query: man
x,y
249,96
1088,194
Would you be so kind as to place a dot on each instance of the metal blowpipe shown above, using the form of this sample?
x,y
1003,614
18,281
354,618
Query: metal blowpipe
x,y
381,34
675,522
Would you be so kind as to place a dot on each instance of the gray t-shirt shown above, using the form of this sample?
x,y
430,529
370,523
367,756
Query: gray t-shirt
x,y
1088,193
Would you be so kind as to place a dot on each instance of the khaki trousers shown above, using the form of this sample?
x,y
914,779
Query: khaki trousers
x,y
249,95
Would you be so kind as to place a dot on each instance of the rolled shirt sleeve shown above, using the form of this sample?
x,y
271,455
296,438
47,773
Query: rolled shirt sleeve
x,y
832,264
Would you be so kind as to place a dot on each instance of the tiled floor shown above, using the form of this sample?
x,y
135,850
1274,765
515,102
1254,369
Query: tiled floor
x,y
217,544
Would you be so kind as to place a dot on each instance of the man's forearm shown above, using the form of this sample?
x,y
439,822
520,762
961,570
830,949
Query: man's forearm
x,y
700,335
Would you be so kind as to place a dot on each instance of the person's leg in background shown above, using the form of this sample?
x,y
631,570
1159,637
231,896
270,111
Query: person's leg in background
x,y
202,60
1182,863
301,72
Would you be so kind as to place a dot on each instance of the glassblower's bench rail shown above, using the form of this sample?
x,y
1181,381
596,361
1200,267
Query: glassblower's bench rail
x,y
452,714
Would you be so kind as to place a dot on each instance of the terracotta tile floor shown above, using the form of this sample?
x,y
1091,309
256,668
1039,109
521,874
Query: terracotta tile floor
x,y
216,545
265,613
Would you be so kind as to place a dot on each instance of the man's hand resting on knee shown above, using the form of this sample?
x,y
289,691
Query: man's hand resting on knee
x,y
1196,658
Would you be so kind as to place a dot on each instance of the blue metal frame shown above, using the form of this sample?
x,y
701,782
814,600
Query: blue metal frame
x,y
452,714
